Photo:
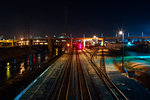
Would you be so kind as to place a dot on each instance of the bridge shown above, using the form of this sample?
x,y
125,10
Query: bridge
x,y
62,41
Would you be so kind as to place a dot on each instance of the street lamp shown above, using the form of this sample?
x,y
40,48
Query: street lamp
x,y
94,36
122,33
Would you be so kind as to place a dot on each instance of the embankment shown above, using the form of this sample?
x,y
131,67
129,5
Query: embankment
x,y
11,52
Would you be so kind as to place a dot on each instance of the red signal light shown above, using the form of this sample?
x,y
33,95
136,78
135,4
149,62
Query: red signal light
x,y
74,43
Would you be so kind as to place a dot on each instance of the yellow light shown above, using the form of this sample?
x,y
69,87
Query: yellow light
x,y
68,44
8,71
89,39
21,38
37,40
56,51
8,64
102,43
22,69
84,43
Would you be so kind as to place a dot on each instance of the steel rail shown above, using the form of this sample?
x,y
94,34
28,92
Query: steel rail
x,y
83,86
106,76
109,84
65,85
53,94
96,92
69,82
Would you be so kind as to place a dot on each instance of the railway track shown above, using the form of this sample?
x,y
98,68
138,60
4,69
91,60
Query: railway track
x,y
116,93
102,59
82,82
73,81
71,84
41,87
61,87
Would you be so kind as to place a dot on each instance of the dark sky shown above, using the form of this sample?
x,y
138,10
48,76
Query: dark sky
x,y
74,16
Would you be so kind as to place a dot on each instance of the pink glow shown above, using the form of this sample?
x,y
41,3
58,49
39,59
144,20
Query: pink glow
x,y
80,46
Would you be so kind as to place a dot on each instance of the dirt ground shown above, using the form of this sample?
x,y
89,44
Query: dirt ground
x,y
142,72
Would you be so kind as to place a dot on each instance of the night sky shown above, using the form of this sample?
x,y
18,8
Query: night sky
x,y
76,17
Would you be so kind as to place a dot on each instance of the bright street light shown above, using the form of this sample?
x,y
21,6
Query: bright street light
x,y
94,36
121,32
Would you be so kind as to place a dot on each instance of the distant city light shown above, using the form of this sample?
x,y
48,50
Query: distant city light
x,y
56,51
129,44
84,43
22,38
68,45
37,40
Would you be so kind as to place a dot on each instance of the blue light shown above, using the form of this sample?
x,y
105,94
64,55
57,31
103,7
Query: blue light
x,y
133,57
130,44
18,97
133,41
